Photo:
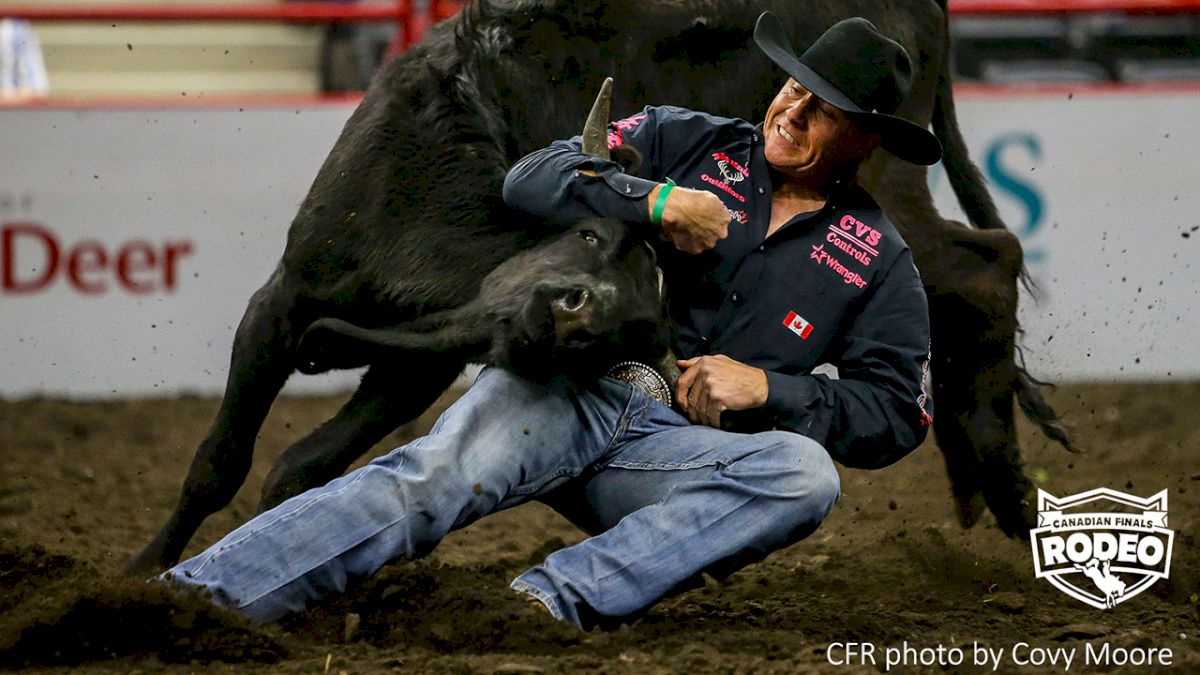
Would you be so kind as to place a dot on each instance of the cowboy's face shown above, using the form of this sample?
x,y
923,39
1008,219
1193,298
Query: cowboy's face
x,y
805,136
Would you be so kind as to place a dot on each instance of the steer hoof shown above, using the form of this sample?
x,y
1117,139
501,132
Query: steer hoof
x,y
968,509
145,564
1016,516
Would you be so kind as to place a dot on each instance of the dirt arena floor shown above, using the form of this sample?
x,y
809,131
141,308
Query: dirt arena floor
x,y
85,485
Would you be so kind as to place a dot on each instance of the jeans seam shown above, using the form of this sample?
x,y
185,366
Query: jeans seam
x,y
627,417
281,518
243,602
542,597
666,466
531,488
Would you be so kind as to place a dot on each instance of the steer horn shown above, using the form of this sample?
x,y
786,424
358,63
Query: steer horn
x,y
595,144
595,130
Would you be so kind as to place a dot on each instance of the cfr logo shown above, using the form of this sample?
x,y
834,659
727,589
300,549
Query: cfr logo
x,y
32,256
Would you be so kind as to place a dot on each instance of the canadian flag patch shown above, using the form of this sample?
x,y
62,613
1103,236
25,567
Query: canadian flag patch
x,y
798,325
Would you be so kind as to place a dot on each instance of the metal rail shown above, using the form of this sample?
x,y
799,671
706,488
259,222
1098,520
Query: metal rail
x,y
325,12
401,12
1002,7
413,23
304,12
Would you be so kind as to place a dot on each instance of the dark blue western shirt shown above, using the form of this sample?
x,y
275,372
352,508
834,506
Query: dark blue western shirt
x,y
834,286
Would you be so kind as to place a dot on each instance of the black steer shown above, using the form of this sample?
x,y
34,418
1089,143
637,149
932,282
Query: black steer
x,y
405,218
576,306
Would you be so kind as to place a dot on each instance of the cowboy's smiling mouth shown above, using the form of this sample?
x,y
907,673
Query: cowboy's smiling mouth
x,y
786,136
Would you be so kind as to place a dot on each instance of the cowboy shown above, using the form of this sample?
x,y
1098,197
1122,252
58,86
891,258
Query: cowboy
x,y
777,261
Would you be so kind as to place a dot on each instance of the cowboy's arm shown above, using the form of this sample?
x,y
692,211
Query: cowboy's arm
x,y
560,183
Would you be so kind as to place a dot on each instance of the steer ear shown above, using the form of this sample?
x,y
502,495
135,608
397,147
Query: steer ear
x,y
595,130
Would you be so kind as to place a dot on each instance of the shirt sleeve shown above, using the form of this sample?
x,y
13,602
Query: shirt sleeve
x,y
879,409
549,183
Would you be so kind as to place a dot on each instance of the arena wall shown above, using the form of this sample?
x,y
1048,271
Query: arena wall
x,y
132,236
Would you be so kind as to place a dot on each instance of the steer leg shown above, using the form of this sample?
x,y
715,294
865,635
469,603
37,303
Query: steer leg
x,y
259,367
974,378
970,277
389,395
951,413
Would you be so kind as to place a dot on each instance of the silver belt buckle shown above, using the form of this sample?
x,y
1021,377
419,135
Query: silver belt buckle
x,y
643,377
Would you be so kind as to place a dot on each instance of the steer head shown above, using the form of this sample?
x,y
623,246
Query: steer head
x,y
575,305
595,300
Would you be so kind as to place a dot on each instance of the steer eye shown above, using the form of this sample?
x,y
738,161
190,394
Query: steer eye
x,y
589,236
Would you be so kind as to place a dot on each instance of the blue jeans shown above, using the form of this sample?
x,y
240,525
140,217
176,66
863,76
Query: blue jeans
x,y
664,499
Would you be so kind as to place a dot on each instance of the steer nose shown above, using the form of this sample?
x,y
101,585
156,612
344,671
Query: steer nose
x,y
574,315
573,300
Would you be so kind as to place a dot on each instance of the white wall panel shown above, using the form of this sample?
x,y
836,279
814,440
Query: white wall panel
x,y
1102,187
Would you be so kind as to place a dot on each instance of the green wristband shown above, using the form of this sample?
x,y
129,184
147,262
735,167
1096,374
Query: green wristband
x,y
661,202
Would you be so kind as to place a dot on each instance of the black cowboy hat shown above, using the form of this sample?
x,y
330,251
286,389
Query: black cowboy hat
x,y
857,69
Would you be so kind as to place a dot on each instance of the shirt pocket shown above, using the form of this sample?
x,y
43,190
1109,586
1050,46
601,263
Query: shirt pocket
x,y
812,306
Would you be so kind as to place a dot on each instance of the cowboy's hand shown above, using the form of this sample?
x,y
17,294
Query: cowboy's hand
x,y
710,385
693,220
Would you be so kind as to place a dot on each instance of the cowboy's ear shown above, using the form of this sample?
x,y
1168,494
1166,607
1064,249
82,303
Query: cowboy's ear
x,y
859,145
861,137
870,140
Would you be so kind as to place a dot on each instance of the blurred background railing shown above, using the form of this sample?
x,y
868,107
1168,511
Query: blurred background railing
x,y
1079,41
169,47
214,47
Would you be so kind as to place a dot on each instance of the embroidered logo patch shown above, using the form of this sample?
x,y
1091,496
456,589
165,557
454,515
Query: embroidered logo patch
x,y
731,171
863,256
616,135
923,399
798,325
721,185
824,258
860,233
